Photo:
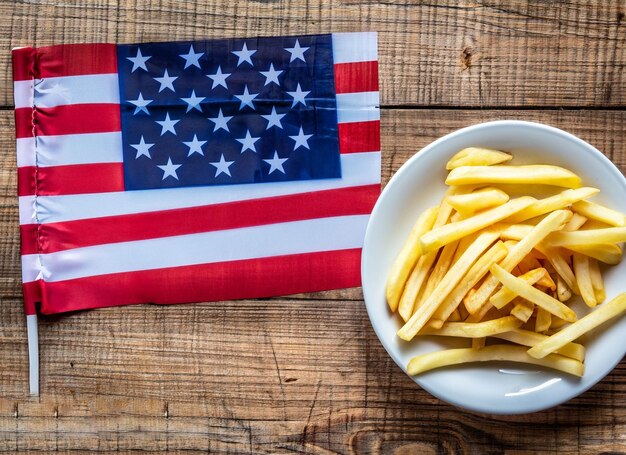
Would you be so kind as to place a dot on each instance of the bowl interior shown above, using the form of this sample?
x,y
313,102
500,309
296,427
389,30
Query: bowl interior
x,y
419,184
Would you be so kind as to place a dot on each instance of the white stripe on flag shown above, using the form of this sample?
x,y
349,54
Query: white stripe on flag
x,y
357,169
355,47
358,107
308,236
71,149
58,91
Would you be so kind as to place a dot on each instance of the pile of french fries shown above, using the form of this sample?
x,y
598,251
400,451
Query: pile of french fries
x,y
487,266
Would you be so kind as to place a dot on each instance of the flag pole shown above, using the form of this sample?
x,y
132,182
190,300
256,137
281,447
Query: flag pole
x,y
33,353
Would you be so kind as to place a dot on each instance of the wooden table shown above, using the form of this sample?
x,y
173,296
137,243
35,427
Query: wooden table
x,y
306,373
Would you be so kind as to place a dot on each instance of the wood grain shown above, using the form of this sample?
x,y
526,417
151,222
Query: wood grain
x,y
468,53
292,374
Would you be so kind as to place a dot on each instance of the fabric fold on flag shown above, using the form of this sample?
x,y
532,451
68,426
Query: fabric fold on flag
x,y
194,171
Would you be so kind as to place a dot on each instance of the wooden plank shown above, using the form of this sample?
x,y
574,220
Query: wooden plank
x,y
441,53
287,374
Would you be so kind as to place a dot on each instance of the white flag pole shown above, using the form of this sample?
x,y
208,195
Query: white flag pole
x,y
33,353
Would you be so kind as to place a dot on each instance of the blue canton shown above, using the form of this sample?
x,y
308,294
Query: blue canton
x,y
228,111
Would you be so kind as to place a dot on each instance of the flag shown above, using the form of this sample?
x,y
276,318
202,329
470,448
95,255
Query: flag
x,y
194,171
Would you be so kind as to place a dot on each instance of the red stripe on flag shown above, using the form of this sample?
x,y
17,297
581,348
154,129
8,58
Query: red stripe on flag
x,y
357,137
68,119
71,179
23,64
356,77
76,59
32,295
140,226
28,239
250,278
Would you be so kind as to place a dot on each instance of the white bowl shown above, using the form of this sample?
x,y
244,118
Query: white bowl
x,y
497,388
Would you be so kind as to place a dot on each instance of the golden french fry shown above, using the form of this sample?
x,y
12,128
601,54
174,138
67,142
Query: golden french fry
x,y
549,204
609,253
575,222
446,285
515,231
477,156
598,316
464,243
600,213
583,279
498,352
550,223
443,235
406,260
455,316
533,295
596,280
588,237
529,338
560,265
456,217
468,204
543,320
495,254
534,174
439,270
563,292
474,330
522,310
505,295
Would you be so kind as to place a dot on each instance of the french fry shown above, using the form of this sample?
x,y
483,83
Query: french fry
x,y
477,156
478,343
439,270
563,291
505,295
470,203
471,330
420,272
575,222
533,295
600,213
560,265
455,316
522,310
529,338
464,243
446,285
597,282
499,352
543,320
609,253
456,217
406,260
533,174
550,223
495,254
599,316
588,237
583,279
443,235
515,231
549,204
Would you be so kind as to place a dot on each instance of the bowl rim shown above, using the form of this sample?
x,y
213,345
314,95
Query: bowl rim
x,y
368,235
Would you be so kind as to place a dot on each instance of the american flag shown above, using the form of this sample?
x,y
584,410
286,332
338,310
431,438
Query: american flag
x,y
194,171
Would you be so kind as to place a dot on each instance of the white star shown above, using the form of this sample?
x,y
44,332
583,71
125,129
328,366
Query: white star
x,y
273,119
219,78
247,143
142,148
271,75
276,163
297,52
221,122
140,104
192,58
244,55
298,96
167,125
169,169
301,139
166,81
195,146
139,61
247,98
193,102
222,166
